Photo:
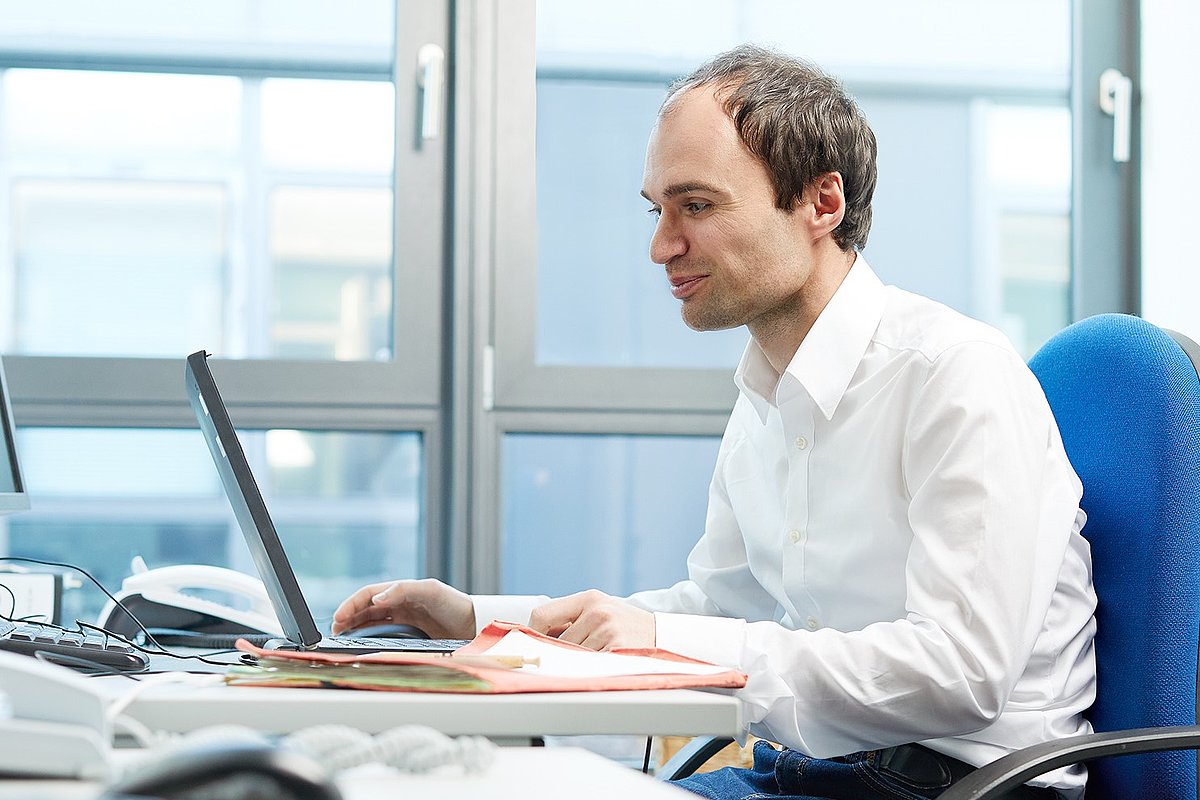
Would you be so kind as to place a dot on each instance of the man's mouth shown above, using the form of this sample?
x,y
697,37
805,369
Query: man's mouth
x,y
683,286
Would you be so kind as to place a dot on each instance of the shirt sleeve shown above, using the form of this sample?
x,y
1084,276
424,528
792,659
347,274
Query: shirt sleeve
x,y
504,607
992,506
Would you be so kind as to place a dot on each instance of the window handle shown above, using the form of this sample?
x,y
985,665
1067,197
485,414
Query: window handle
x,y
1116,100
431,81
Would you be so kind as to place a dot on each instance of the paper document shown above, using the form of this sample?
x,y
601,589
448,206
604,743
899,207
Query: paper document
x,y
505,658
556,660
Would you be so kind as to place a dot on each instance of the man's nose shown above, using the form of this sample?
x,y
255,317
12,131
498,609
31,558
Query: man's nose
x,y
666,243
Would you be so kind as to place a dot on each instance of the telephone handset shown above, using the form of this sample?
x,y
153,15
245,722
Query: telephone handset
x,y
191,597
52,721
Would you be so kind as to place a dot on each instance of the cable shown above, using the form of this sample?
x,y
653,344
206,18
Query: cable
x,y
160,651
149,637
13,597
81,663
115,708
646,760
409,748
141,733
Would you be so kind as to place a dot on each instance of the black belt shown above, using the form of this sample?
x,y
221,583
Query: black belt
x,y
924,767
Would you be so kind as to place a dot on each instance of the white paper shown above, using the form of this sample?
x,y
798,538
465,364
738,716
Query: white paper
x,y
566,662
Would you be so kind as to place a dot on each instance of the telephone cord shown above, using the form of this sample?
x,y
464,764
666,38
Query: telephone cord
x,y
409,748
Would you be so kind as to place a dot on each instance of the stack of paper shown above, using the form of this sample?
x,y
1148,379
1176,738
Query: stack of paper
x,y
504,658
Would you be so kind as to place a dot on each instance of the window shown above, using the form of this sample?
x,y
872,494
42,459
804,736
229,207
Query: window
x,y
137,199
972,208
223,179
348,506
616,513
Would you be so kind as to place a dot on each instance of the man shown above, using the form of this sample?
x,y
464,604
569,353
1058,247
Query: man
x,y
892,551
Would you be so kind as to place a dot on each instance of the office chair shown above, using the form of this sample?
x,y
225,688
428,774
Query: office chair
x,y
1126,396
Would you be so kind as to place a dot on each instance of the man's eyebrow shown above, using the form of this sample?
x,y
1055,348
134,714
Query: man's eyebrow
x,y
676,189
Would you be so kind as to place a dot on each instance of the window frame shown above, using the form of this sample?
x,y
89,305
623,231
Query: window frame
x,y
402,394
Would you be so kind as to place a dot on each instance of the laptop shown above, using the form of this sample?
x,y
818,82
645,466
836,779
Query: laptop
x,y
299,630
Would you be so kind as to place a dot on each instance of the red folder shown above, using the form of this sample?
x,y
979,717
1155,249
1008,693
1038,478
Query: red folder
x,y
293,668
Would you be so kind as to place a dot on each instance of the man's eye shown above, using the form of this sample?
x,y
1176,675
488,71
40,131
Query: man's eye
x,y
654,211
695,207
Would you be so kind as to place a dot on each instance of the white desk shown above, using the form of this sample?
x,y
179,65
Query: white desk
x,y
528,773
181,708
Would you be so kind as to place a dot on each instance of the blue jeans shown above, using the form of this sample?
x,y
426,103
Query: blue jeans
x,y
788,775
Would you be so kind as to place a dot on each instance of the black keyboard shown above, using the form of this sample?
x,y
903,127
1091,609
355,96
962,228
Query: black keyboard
x,y
200,640
85,651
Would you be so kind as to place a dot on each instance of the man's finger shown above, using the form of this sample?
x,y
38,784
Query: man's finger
x,y
556,616
374,615
358,602
579,631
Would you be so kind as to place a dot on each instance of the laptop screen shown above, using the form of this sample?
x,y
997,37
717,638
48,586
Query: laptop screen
x,y
248,505
12,490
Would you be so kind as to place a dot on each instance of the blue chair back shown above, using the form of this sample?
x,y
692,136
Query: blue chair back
x,y
1127,401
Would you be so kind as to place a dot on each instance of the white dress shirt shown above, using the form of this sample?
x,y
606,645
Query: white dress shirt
x,y
892,551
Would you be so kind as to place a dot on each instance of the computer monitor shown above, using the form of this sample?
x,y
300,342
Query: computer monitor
x,y
12,488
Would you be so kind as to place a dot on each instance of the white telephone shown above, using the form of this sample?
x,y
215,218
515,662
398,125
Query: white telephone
x,y
55,723
180,598
52,722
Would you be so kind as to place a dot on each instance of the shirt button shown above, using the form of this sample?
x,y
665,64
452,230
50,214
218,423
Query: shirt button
x,y
795,536
801,443
813,623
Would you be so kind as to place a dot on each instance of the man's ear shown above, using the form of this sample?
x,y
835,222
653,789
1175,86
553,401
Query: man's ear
x,y
824,204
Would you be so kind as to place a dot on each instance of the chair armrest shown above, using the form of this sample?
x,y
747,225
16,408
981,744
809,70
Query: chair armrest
x,y
1017,768
692,756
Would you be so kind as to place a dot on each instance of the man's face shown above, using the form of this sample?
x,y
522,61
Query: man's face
x,y
731,256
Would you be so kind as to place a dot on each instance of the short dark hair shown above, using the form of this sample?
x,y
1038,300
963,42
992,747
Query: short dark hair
x,y
800,123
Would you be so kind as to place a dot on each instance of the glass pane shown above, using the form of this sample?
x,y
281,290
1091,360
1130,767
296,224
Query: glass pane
x,y
81,120
347,506
149,24
331,253
157,214
588,511
1029,184
629,317
1034,249
940,98
118,268
336,126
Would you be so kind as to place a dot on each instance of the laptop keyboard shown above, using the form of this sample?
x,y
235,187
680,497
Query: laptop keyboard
x,y
85,651
372,644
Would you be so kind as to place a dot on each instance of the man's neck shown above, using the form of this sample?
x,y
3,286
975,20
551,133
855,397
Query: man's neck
x,y
781,337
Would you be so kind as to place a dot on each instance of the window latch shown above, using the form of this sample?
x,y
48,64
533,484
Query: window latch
x,y
431,81
1116,100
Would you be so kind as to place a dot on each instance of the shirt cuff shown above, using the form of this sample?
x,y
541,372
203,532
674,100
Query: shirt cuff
x,y
717,640
505,607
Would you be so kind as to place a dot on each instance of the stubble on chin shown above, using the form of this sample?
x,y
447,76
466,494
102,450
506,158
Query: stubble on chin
x,y
701,318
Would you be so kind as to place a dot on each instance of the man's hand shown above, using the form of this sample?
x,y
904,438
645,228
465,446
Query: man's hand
x,y
443,612
596,620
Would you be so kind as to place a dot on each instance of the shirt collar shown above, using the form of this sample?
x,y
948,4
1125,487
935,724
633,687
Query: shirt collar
x,y
830,354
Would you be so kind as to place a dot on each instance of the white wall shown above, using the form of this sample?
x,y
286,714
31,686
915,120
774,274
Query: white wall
x,y
1170,100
